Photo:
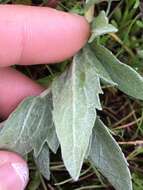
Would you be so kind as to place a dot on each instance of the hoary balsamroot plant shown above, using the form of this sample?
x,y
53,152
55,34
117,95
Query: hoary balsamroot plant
x,y
65,114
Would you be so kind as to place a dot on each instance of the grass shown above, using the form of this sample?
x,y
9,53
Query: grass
x,y
123,115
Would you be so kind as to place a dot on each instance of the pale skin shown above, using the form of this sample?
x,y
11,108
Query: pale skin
x,y
29,36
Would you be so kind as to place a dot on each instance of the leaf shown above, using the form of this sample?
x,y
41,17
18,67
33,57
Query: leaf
x,y
101,26
52,140
75,97
89,56
43,161
46,81
137,181
140,53
29,126
106,155
128,80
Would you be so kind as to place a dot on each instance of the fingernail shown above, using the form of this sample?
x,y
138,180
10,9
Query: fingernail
x,y
13,176
22,171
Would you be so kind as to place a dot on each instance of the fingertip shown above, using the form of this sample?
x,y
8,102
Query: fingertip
x,y
14,171
79,34
61,36
39,35
75,35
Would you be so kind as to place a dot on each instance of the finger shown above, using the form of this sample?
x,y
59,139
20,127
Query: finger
x,y
14,87
33,35
14,172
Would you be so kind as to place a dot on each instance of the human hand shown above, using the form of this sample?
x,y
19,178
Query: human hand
x,y
30,35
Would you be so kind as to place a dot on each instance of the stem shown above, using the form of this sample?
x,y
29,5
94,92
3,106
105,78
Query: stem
x,y
117,39
89,14
108,8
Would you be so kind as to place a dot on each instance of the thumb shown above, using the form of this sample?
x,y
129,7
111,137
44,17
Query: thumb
x,y
13,171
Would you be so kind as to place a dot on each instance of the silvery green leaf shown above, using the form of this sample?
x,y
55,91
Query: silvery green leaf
x,y
128,80
89,147
43,161
28,127
101,26
52,140
106,155
89,56
75,97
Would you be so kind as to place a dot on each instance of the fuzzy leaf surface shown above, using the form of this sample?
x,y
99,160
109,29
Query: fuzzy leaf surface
x,y
106,155
75,97
127,79
89,56
43,161
30,126
101,26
